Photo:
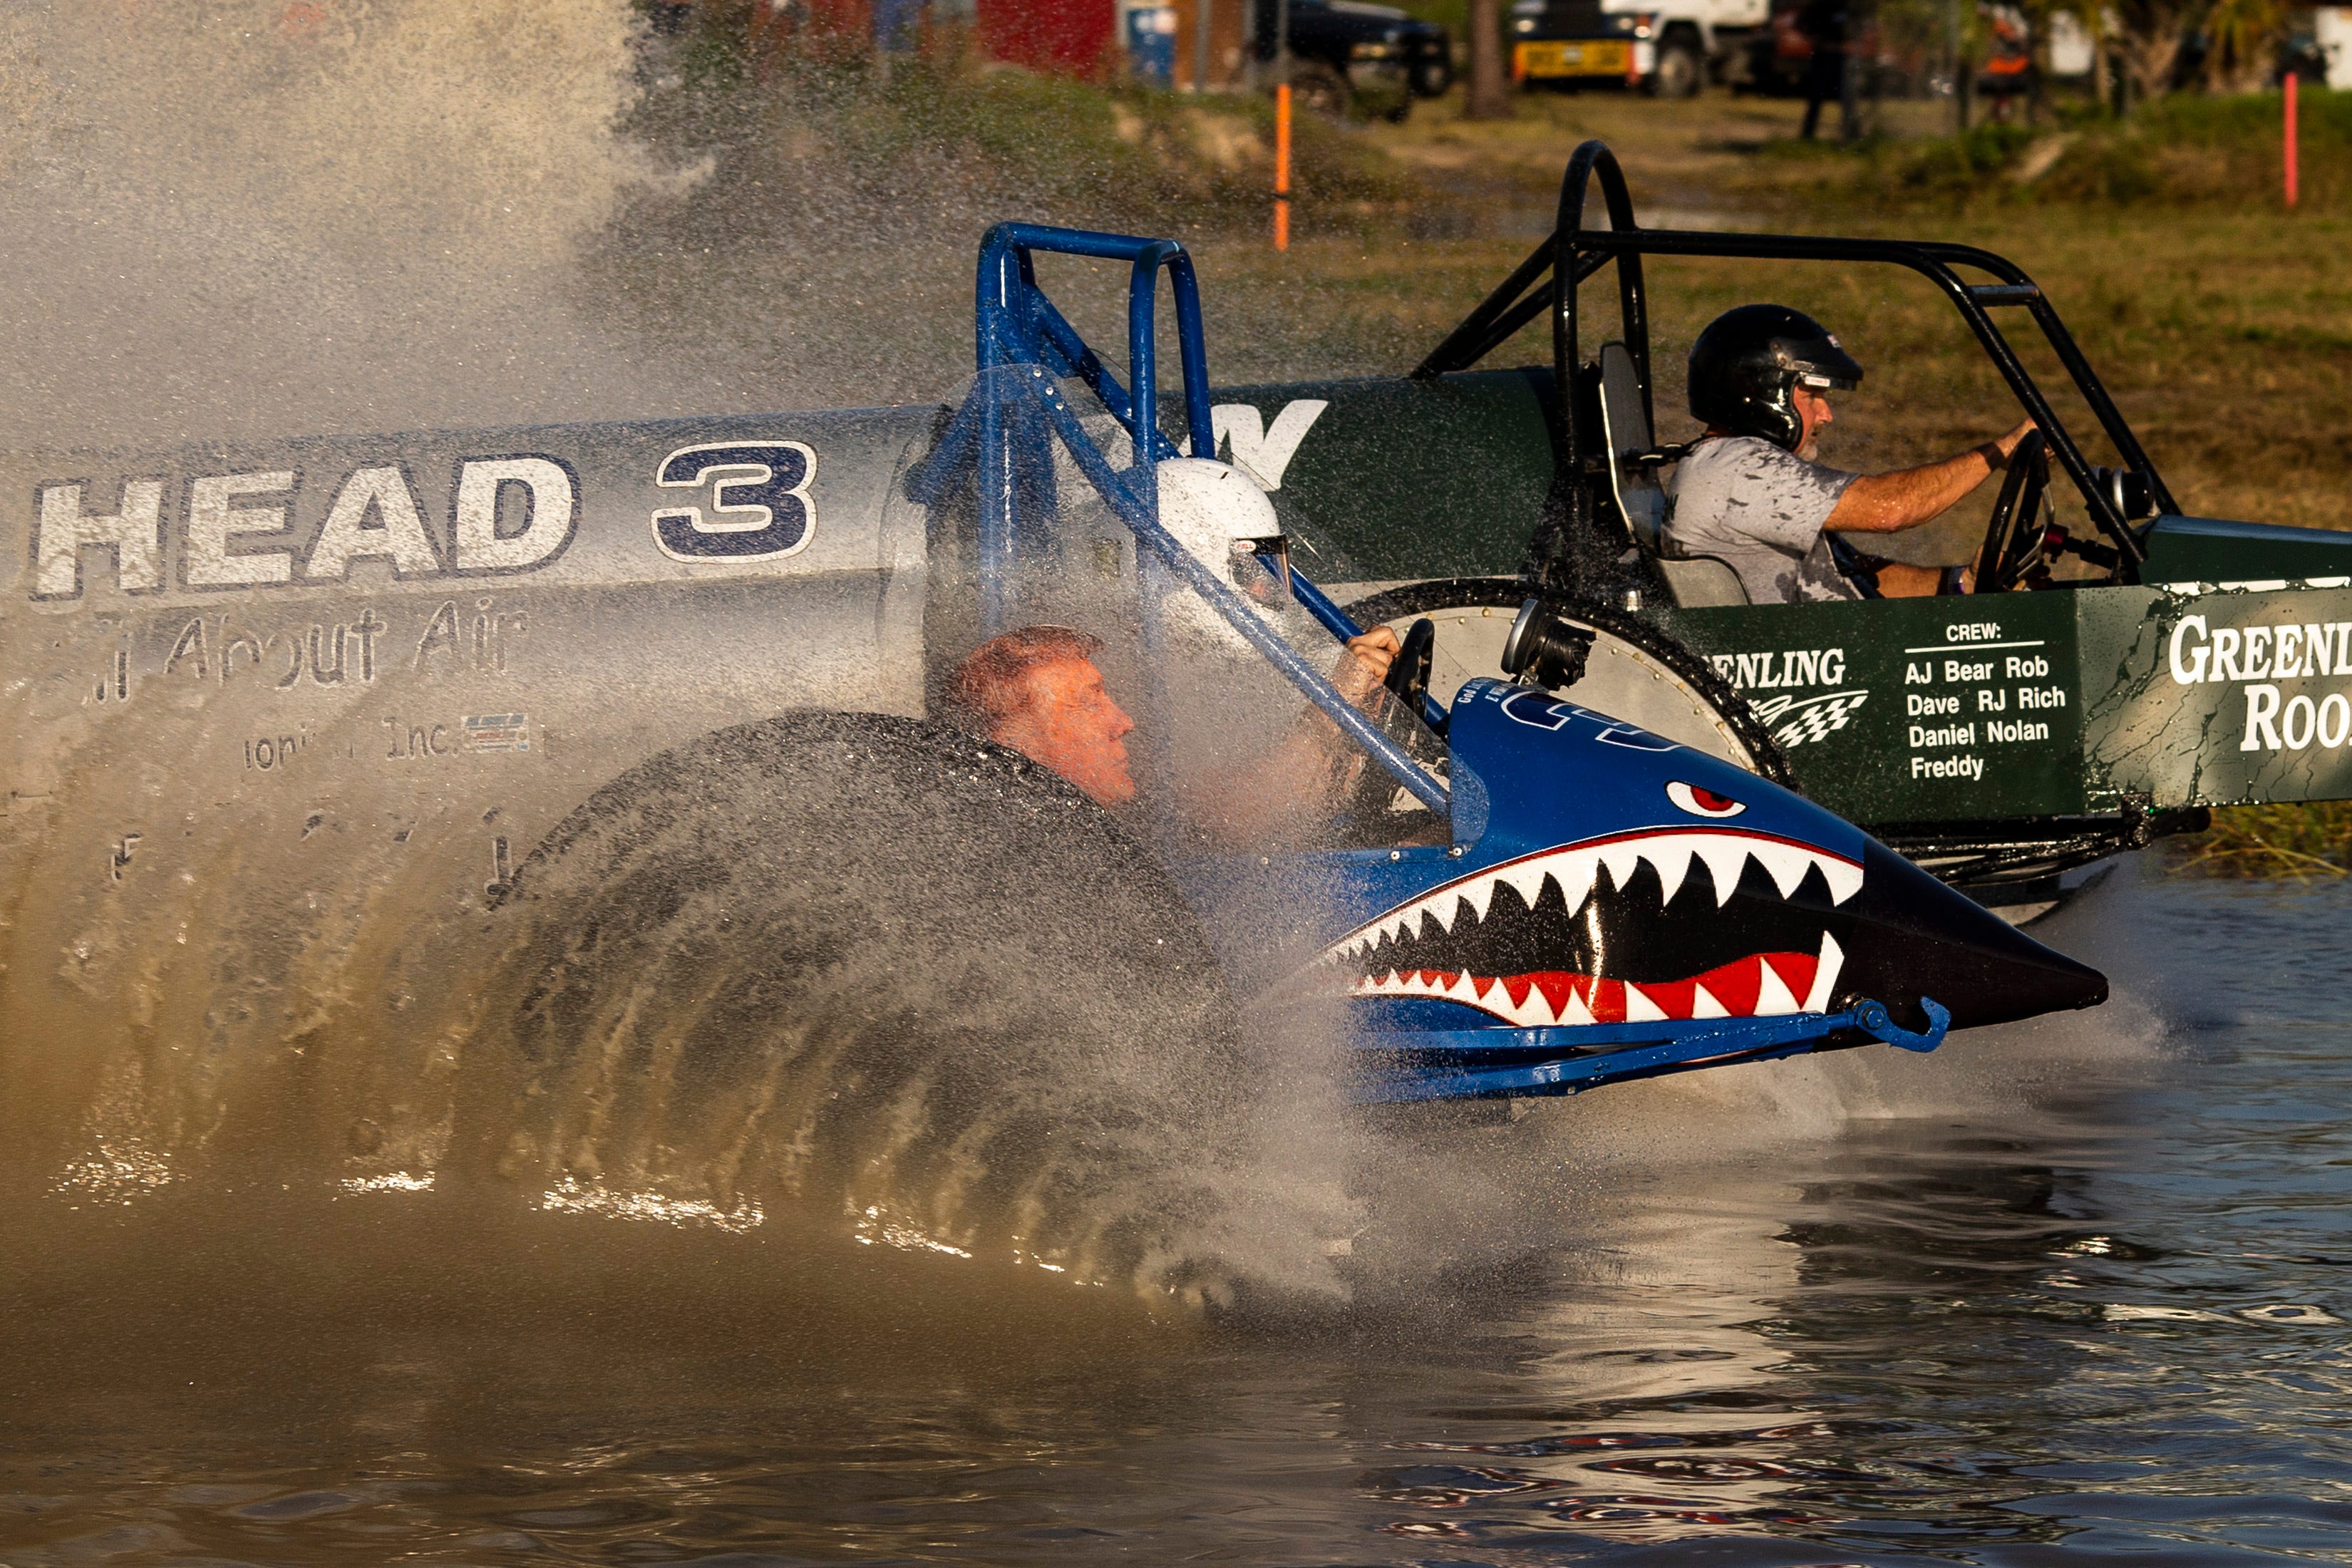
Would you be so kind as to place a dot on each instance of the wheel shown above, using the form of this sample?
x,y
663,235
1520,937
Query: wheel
x,y
1681,71
1317,87
864,965
1635,672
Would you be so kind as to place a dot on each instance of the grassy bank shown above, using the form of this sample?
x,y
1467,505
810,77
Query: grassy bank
x,y
2187,151
951,133
2295,842
810,244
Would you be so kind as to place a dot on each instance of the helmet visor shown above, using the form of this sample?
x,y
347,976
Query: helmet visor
x,y
1824,365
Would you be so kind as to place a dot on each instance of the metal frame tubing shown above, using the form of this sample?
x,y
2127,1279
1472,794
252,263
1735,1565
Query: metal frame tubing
x,y
1016,324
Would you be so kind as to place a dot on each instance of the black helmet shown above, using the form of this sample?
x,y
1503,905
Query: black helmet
x,y
1743,365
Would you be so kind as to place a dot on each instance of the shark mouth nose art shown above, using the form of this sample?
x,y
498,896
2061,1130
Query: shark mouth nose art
x,y
1666,923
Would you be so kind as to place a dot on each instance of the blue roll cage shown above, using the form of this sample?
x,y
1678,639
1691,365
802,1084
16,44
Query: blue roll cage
x,y
1017,409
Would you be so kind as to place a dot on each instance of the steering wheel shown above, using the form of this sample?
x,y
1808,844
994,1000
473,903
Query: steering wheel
x,y
2009,534
1369,818
1416,661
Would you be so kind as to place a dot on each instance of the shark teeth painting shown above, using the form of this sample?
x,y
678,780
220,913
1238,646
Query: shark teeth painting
x,y
1766,985
1657,925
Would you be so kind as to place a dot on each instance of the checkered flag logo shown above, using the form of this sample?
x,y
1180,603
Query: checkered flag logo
x,y
1795,720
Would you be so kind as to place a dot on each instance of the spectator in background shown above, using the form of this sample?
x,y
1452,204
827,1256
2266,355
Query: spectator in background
x,y
1824,24
2008,62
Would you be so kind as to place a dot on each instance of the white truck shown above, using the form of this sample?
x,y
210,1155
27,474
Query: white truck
x,y
1669,47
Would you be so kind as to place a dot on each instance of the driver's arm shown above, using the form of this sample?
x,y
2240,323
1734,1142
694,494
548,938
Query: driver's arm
x,y
1314,767
1889,503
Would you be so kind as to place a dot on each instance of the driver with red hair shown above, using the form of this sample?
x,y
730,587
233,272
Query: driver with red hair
x,y
1038,690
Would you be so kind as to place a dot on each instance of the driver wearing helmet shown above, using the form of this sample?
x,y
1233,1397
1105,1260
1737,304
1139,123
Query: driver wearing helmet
x,y
1749,493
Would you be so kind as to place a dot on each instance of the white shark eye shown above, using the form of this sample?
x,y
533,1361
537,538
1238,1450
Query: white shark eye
x,y
1703,802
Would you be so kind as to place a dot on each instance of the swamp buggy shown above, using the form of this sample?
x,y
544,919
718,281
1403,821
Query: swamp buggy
x,y
575,802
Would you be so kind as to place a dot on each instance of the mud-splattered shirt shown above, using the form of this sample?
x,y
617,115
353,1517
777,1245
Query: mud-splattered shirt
x,y
1759,511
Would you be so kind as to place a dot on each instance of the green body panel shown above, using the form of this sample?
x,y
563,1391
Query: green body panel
x,y
2235,696
2049,704
2211,550
1414,480
1914,709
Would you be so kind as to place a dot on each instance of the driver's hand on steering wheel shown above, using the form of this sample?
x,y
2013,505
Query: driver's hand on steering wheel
x,y
1365,664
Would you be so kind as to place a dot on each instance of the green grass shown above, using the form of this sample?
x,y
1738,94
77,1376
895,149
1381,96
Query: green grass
x,y
2294,842
951,129
2186,150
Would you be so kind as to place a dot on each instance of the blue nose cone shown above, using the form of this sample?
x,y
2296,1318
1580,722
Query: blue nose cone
x,y
1612,875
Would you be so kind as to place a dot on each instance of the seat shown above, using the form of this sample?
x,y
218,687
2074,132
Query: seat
x,y
1697,582
1701,581
1625,428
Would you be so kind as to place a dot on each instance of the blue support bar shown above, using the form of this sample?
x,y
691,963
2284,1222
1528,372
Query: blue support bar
x,y
1341,625
1471,1063
1015,324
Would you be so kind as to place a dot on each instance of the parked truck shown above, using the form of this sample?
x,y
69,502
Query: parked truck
x,y
1670,49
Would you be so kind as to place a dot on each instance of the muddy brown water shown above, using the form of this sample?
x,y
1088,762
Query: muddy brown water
x,y
2076,1290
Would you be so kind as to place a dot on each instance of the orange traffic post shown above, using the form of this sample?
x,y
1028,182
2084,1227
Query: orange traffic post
x,y
1282,167
2292,173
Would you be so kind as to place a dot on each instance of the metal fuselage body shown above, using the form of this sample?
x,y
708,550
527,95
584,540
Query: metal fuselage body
x,y
389,629
232,661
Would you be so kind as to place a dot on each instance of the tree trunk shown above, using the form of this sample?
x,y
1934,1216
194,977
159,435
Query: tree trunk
x,y
1490,95
2148,42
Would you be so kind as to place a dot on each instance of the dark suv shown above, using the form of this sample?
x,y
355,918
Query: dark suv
x,y
1347,55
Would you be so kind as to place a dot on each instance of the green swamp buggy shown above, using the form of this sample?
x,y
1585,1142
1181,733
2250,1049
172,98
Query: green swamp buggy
x,y
2121,668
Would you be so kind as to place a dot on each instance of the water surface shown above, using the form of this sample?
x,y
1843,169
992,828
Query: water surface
x,y
2076,1290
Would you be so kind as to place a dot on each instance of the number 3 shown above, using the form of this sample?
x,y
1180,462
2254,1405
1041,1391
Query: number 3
x,y
760,503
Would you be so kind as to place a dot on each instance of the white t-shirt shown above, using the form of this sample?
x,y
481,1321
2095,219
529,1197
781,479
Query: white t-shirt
x,y
1760,510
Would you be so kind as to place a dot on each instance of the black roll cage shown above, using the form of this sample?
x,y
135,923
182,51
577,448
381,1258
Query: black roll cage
x,y
1552,276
